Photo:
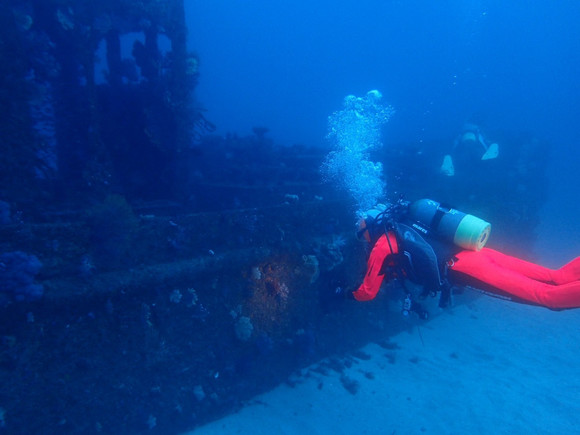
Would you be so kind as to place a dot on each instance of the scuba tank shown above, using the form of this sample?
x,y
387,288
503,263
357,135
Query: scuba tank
x,y
465,230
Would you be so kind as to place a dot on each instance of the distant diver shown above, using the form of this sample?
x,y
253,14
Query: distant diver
x,y
469,148
442,249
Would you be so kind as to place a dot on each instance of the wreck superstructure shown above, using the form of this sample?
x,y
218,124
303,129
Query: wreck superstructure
x,y
98,96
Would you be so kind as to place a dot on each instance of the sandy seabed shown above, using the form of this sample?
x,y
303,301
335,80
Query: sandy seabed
x,y
487,366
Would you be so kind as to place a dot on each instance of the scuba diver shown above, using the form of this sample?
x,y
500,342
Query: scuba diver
x,y
469,148
443,250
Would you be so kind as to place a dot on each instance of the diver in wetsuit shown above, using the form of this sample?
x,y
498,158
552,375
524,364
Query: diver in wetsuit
x,y
469,149
442,248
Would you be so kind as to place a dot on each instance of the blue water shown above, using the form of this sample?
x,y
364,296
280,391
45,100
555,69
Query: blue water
x,y
438,63
505,65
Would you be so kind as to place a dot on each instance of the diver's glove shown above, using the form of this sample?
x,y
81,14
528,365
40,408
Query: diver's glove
x,y
411,306
421,312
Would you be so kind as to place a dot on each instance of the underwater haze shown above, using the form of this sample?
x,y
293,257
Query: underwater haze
x,y
504,65
268,217
288,65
